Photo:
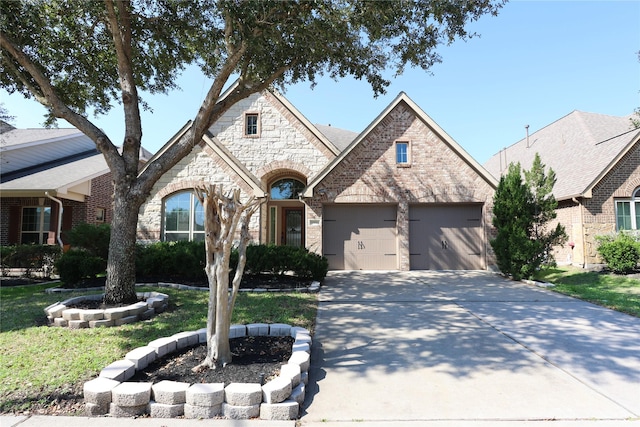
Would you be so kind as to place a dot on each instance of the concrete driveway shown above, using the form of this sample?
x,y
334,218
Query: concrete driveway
x,y
454,347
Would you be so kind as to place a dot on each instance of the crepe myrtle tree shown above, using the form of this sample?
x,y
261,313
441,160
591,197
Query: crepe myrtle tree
x,y
224,212
81,57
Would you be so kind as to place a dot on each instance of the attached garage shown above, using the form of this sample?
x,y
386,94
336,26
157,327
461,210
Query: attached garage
x,y
360,237
446,237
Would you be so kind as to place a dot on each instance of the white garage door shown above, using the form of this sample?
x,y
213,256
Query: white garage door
x,y
360,237
446,237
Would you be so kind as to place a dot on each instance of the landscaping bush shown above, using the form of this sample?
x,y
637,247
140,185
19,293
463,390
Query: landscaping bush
x,y
620,252
186,261
30,257
92,238
279,260
77,264
181,260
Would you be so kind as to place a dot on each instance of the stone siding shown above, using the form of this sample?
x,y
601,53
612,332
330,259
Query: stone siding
x,y
284,147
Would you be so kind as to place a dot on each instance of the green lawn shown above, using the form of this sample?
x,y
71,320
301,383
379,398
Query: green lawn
x,y
38,361
618,292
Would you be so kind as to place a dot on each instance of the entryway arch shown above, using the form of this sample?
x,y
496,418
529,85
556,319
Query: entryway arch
x,y
285,211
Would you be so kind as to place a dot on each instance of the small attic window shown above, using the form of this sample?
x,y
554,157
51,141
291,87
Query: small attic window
x,y
251,124
403,154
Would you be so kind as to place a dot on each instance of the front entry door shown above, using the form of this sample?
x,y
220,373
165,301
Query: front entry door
x,y
293,231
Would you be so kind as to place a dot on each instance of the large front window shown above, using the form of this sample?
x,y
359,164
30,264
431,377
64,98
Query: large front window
x,y
35,225
628,212
183,218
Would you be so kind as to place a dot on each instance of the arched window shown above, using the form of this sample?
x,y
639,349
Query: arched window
x,y
183,217
628,212
286,189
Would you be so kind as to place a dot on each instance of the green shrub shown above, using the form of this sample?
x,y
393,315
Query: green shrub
x,y
279,260
171,260
77,264
621,253
186,261
92,238
30,257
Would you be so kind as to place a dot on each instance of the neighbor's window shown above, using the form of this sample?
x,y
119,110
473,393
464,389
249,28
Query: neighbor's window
x,y
287,188
402,153
101,214
35,225
628,212
251,127
183,218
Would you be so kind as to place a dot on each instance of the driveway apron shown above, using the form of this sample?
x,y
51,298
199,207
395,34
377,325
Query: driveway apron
x,y
438,346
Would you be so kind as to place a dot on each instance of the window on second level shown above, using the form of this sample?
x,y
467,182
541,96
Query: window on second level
x,y
628,212
403,156
251,124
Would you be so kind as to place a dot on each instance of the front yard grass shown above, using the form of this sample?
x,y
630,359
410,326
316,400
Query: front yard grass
x,y
38,361
618,292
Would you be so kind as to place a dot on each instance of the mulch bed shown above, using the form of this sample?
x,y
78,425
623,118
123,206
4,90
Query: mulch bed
x,y
256,359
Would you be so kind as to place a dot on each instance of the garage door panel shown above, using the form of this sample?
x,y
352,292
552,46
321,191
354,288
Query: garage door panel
x,y
446,237
360,237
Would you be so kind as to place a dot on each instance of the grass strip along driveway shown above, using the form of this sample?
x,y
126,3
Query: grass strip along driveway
x,y
617,292
41,365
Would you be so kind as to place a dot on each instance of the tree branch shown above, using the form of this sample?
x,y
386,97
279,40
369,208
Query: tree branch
x,y
121,34
50,99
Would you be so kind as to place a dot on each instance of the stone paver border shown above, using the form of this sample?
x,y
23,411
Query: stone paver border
x,y
60,313
279,399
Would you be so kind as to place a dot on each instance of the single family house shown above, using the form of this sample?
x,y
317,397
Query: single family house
x,y
596,159
400,195
50,181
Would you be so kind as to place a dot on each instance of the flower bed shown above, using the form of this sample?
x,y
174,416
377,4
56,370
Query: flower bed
x,y
278,399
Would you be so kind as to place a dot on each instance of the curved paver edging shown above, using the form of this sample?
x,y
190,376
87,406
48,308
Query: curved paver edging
x,y
59,313
279,399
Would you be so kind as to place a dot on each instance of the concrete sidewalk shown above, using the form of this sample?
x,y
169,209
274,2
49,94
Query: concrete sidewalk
x,y
467,348
45,421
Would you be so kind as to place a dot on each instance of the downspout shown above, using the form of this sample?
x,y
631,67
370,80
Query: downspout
x,y
59,230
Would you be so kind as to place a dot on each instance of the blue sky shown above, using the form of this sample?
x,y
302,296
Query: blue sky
x,y
534,63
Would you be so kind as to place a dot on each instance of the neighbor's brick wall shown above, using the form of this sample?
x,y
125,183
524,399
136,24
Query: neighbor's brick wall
x,y
568,214
369,175
599,214
81,212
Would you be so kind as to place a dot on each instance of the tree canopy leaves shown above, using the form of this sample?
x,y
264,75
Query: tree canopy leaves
x,y
82,57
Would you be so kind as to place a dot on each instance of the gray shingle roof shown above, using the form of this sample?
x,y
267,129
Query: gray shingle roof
x,y
341,138
60,177
579,147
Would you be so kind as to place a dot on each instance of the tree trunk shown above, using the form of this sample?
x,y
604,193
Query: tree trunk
x,y
223,214
121,264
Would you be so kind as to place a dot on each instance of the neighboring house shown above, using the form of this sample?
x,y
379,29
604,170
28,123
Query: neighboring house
x,y
400,195
596,159
50,181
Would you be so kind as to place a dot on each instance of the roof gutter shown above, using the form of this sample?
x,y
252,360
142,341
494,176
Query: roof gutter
x,y
59,229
